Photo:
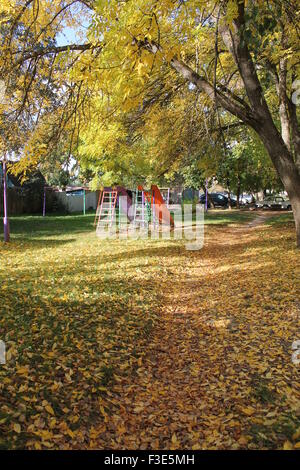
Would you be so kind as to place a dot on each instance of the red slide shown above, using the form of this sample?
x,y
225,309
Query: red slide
x,y
161,210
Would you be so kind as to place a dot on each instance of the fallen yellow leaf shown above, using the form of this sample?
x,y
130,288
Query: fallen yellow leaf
x,y
296,435
287,445
248,411
50,410
22,370
17,428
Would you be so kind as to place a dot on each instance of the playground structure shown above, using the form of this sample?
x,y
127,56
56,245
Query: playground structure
x,y
160,212
141,207
165,192
107,209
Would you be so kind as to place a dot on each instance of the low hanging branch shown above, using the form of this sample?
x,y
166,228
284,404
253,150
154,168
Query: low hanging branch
x,y
230,103
26,55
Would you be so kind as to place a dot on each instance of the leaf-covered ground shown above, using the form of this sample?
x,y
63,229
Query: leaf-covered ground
x,y
142,344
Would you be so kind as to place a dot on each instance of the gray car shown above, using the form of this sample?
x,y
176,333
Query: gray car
x,y
274,203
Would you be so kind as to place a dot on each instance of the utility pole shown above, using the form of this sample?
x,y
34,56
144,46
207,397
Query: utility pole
x,y
44,202
5,218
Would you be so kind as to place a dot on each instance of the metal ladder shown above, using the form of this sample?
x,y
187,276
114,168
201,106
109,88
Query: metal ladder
x,y
98,208
142,210
107,209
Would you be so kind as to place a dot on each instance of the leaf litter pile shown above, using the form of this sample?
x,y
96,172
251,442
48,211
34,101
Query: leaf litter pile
x,y
144,345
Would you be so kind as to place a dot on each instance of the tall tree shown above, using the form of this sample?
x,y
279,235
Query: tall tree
x,y
227,50
240,56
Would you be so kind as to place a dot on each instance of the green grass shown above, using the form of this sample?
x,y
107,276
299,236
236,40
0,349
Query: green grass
x,y
62,226
23,227
228,217
281,219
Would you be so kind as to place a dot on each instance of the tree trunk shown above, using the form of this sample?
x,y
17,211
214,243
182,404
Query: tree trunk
x,y
285,167
256,114
229,199
283,107
238,194
295,131
296,211
210,200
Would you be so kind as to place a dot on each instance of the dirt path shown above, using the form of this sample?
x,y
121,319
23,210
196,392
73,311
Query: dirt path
x,y
195,387
260,219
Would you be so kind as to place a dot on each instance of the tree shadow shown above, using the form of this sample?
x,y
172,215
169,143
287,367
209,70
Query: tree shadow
x,y
39,227
28,243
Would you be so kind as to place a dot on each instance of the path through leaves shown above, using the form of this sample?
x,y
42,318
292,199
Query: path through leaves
x,y
217,372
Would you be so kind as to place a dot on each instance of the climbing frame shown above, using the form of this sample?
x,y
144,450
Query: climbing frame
x,y
107,209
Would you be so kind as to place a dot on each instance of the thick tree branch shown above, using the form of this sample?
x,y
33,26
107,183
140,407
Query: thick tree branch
x,y
295,130
233,39
244,113
289,111
283,111
54,50
215,95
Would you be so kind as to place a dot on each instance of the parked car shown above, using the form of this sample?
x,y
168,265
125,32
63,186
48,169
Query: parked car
x,y
247,199
219,200
244,198
274,203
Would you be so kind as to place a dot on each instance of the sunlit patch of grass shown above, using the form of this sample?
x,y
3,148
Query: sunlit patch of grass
x,y
281,219
228,217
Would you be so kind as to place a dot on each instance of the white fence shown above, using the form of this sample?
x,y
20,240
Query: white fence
x,y
75,202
